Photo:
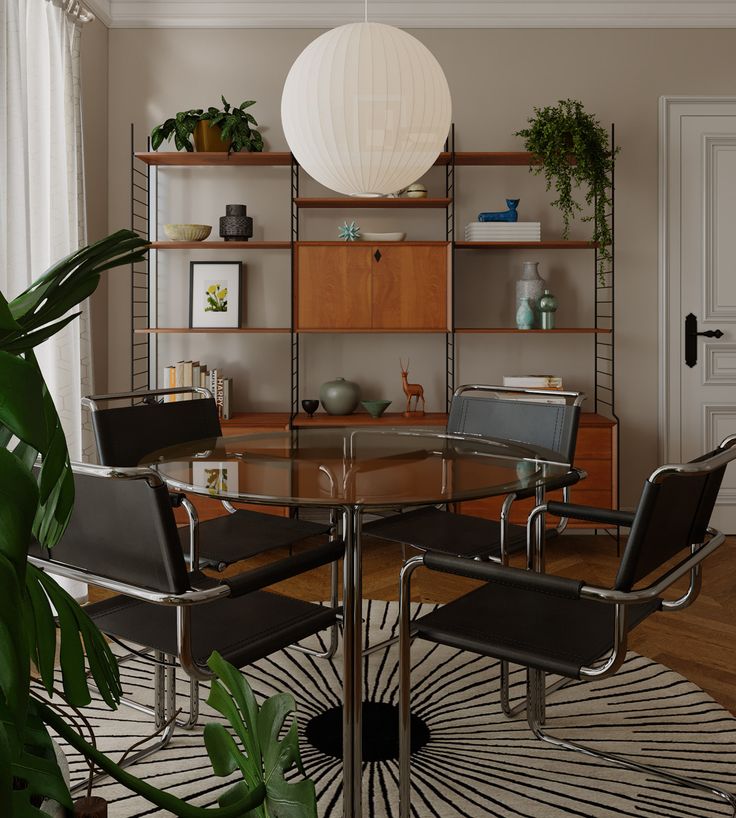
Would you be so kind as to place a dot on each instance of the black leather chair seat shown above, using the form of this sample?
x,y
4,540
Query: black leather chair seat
x,y
232,537
540,630
242,629
430,529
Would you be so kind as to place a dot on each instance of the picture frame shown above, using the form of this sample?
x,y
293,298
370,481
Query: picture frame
x,y
216,476
215,294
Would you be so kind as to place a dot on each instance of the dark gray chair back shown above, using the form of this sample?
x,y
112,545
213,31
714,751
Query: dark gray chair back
x,y
551,426
123,528
674,512
126,434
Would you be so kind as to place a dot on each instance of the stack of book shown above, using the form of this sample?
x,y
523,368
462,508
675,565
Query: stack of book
x,y
503,231
193,373
533,381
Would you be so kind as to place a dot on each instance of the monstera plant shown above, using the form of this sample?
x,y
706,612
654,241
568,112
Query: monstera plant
x,y
36,500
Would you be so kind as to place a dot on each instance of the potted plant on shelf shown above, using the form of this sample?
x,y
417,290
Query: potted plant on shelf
x,y
573,150
227,129
38,503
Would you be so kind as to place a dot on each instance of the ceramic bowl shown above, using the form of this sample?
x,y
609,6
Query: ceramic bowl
x,y
187,232
310,406
375,408
416,191
382,236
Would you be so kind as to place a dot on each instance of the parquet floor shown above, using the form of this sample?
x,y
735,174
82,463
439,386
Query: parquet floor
x,y
699,642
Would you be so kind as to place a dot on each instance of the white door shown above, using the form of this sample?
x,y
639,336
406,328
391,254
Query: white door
x,y
698,278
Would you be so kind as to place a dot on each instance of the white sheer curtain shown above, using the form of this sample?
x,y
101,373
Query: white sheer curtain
x,y
42,215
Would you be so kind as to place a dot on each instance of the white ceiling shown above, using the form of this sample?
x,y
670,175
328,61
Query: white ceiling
x,y
417,13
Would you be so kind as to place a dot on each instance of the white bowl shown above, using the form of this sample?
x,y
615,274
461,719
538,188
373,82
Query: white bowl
x,y
187,232
382,236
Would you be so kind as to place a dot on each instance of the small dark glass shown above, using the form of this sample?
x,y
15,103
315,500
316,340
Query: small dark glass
x,y
310,406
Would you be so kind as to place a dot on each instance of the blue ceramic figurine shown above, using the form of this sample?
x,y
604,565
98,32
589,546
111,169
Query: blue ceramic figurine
x,y
509,215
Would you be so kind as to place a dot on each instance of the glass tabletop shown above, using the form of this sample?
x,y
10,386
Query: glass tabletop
x,y
359,467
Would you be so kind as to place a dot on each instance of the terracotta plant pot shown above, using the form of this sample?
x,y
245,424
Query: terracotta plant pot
x,y
208,139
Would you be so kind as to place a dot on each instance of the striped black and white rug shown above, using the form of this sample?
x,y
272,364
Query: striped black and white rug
x,y
470,760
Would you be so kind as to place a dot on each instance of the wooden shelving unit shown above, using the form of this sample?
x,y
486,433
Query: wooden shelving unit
x,y
370,203
322,419
208,330
221,245
560,244
205,159
514,330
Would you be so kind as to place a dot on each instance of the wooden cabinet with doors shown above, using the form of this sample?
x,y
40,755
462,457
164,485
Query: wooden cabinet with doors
x,y
399,286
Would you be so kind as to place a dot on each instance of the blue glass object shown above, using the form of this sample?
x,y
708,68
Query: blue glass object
x,y
509,215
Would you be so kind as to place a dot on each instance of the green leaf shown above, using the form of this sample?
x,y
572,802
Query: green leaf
x,y
44,630
33,339
247,104
14,681
75,629
21,410
222,749
33,761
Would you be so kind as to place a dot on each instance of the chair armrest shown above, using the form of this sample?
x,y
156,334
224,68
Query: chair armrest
x,y
292,566
570,479
591,513
503,575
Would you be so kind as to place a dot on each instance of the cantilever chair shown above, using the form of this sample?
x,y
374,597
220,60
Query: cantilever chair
x,y
494,412
126,434
564,626
122,536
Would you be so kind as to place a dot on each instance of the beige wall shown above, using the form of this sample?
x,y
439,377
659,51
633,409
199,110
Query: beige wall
x,y
496,77
94,69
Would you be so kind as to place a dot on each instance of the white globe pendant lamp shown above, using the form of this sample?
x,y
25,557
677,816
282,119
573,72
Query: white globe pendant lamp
x,y
366,109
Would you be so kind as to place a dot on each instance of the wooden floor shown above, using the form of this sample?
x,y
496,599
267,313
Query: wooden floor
x,y
699,642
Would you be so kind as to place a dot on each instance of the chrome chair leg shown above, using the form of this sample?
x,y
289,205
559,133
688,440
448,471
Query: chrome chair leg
x,y
535,714
405,688
511,711
164,691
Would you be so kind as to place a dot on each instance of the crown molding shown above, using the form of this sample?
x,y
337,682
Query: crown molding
x,y
102,10
418,13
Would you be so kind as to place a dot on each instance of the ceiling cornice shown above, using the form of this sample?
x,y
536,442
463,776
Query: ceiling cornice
x,y
102,11
418,13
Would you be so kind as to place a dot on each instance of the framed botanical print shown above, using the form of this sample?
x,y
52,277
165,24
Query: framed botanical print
x,y
215,294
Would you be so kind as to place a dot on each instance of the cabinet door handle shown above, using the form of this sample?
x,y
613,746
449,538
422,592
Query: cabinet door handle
x,y
691,338
377,255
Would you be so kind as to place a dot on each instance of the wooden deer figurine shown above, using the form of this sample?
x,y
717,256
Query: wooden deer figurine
x,y
411,390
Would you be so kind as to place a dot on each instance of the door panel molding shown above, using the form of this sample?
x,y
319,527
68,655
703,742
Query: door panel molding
x,y
716,183
672,109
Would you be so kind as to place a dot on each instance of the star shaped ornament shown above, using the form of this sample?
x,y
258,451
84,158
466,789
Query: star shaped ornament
x,y
349,232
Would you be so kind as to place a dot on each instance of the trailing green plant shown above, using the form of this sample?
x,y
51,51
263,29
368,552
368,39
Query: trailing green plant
x,y
37,501
573,150
236,124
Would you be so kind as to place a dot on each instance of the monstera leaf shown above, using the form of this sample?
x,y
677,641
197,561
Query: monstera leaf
x,y
263,757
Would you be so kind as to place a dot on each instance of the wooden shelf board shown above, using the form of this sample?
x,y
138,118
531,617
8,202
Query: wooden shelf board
x,y
561,244
179,330
557,330
220,245
280,420
370,331
361,243
364,419
208,159
275,420
352,203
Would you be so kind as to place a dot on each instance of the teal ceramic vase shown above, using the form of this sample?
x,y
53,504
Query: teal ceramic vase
x,y
525,315
339,397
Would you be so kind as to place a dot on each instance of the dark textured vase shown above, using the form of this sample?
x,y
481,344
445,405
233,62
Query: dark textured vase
x,y
236,225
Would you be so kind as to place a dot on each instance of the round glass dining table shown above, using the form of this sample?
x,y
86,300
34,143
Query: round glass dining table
x,y
356,470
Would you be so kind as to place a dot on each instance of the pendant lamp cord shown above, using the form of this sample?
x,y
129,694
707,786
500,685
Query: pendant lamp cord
x,y
366,11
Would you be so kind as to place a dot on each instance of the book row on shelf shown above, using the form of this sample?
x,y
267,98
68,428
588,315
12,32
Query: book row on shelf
x,y
194,373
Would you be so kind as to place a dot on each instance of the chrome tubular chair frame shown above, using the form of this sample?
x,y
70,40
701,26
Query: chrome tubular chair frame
x,y
621,600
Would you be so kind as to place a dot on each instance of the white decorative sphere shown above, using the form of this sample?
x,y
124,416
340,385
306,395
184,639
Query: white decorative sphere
x,y
366,109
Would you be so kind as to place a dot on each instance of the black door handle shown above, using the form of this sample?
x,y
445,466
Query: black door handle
x,y
691,338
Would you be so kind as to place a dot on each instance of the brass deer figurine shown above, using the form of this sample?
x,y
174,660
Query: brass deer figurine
x,y
411,390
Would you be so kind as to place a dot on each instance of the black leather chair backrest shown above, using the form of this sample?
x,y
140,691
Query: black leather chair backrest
x,y
124,529
125,435
672,515
549,425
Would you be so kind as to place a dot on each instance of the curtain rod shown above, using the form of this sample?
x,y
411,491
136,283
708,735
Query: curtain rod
x,y
75,9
